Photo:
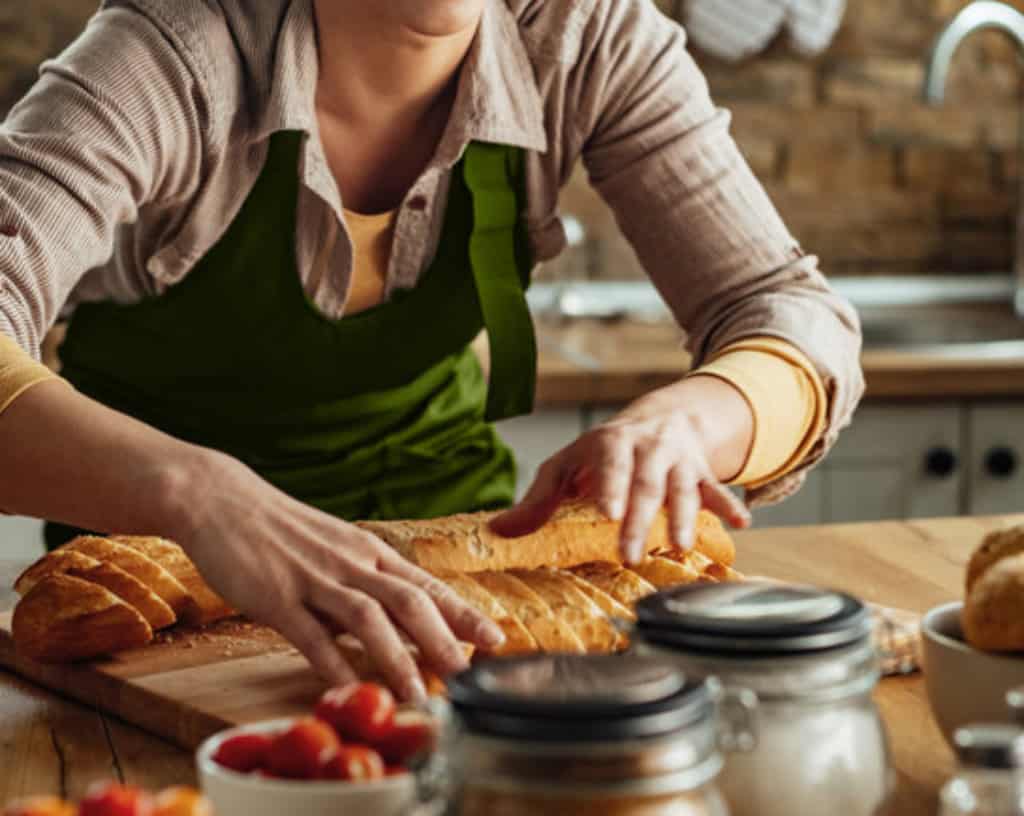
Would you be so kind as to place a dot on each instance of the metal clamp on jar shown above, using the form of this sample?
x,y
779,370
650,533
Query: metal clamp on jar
x,y
799,666
567,734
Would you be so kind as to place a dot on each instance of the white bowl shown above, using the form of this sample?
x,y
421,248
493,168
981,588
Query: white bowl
x,y
965,685
236,794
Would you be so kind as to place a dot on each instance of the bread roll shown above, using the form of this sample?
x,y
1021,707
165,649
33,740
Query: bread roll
x,y
577,533
208,605
996,545
518,639
550,632
993,616
574,609
63,619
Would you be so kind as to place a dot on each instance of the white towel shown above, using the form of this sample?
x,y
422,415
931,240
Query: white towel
x,y
736,29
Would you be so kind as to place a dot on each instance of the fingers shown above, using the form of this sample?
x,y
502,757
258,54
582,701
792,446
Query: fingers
x,y
646,497
683,502
538,505
317,645
725,504
365,618
415,611
614,466
466,622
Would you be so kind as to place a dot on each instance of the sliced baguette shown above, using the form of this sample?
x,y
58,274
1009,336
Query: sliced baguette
x,y
578,533
664,572
518,639
209,606
57,562
63,619
145,569
611,607
574,609
622,584
550,632
130,590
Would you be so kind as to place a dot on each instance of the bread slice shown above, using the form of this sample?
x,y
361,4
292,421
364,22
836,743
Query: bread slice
x,y
57,562
145,569
130,590
518,639
622,584
576,534
550,632
209,606
574,609
611,607
664,572
63,619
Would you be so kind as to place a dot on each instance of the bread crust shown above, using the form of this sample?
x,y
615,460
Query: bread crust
x,y
622,584
550,632
54,563
578,533
995,546
130,590
664,572
63,619
518,639
993,615
609,605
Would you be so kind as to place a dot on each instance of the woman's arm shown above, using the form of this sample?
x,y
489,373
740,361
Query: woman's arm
x,y
118,121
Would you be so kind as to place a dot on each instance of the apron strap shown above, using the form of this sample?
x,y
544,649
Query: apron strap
x,y
492,174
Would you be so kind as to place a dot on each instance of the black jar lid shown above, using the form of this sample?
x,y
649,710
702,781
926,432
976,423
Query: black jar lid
x,y
752,618
578,698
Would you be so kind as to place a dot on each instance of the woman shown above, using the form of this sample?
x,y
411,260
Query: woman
x,y
276,228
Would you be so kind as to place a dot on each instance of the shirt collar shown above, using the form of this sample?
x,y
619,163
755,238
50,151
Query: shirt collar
x,y
497,100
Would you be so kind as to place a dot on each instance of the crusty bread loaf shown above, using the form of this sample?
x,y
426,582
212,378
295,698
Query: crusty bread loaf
x,y
577,533
622,584
518,639
63,619
130,590
551,632
665,572
607,604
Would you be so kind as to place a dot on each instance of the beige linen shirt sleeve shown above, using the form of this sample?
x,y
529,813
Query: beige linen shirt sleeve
x,y
110,125
661,155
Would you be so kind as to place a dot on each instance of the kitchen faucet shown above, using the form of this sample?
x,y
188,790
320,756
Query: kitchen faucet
x,y
976,16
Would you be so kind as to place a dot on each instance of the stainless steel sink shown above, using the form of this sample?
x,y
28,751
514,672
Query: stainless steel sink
x,y
965,316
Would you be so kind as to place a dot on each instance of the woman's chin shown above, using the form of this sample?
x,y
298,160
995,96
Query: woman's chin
x,y
439,18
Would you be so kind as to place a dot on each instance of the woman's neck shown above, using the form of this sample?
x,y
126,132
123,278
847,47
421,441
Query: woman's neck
x,y
389,62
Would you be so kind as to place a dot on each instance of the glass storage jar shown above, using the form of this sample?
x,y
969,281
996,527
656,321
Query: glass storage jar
x,y
988,780
558,735
799,666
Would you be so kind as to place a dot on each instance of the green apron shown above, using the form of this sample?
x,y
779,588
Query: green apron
x,y
382,414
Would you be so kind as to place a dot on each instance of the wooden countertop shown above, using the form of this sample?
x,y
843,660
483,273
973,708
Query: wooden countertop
x,y
634,358
49,745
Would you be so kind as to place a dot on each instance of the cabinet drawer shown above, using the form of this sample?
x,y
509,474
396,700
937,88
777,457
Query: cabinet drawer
x,y
899,433
996,461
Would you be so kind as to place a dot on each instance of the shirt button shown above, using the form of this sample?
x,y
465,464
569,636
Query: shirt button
x,y
418,203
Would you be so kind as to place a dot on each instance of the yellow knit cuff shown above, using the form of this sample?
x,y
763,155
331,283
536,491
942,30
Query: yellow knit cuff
x,y
786,397
18,372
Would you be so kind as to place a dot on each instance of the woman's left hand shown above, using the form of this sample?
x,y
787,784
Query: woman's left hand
x,y
673,448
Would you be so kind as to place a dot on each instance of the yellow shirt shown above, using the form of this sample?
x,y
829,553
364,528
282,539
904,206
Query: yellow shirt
x,y
784,391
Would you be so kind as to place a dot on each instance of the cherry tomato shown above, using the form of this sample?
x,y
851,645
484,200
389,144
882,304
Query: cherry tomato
x,y
40,806
354,763
244,752
302,750
181,801
112,799
411,733
395,770
359,711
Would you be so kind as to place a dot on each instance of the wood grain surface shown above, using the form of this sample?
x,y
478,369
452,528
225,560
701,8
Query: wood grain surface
x,y
50,745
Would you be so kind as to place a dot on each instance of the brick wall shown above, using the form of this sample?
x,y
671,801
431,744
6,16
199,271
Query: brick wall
x,y
867,177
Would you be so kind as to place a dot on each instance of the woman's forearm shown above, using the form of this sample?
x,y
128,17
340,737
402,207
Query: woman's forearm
x,y
66,458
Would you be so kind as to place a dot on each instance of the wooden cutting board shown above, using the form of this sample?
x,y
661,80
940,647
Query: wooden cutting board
x,y
188,684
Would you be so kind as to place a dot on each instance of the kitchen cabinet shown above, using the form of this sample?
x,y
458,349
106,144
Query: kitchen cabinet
x,y
897,460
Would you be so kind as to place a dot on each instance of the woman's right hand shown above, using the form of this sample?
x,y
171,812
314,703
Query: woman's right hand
x,y
308,575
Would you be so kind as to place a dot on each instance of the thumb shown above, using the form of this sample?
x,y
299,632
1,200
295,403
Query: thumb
x,y
537,506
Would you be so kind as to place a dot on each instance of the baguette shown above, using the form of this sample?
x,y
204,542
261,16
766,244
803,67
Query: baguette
x,y
56,563
574,609
551,633
208,606
578,533
130,590
611,607
63,619
665,572
622,584
518,639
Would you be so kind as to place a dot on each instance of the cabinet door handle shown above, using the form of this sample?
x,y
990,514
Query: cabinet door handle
x,y
941,462
1001,462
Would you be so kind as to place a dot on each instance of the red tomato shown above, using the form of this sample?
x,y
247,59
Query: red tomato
x,y
395,770
354,763
360,711
111,799
244,753
412,733
302,750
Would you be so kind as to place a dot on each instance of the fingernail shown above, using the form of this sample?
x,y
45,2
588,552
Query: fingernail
x,y
613,509
416,692
633,548
490,636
